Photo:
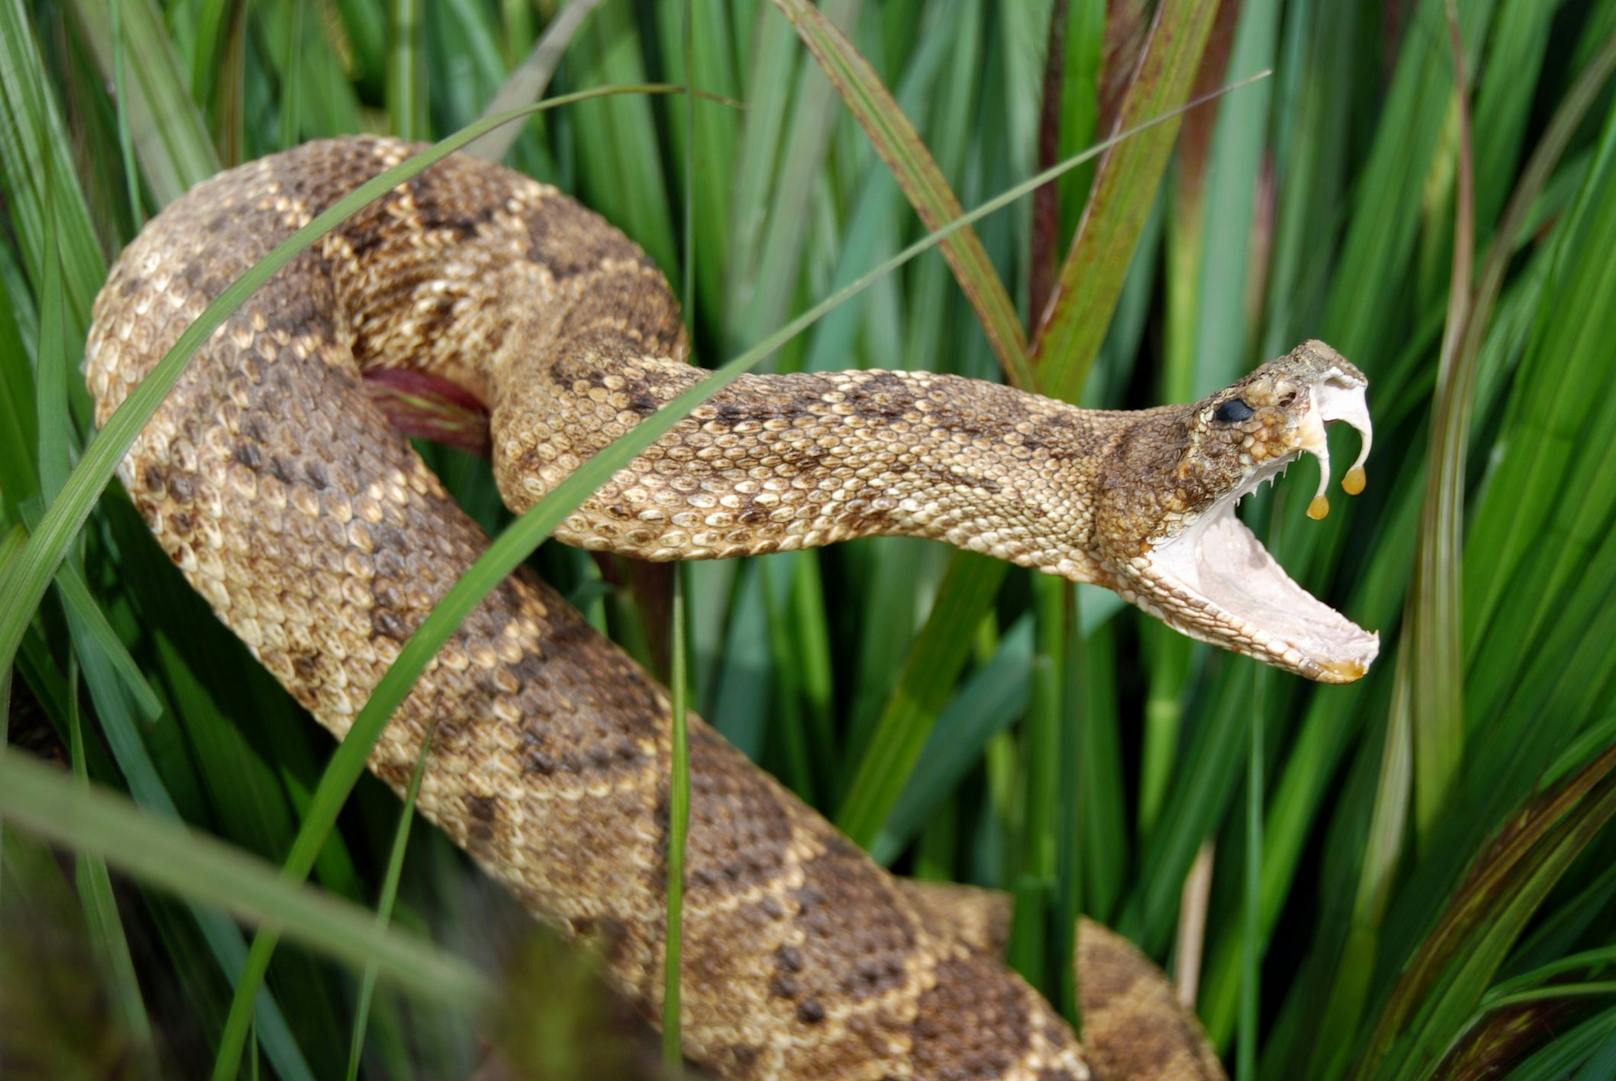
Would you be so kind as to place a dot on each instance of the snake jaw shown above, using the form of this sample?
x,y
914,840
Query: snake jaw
x,y
1215,581
1205,573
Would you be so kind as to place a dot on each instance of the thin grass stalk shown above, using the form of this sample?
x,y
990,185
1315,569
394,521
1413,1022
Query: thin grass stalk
x,y
384,907
912,165
1251,899
81,605
1435,619
1594,959
1191,933
1073,325
51,403
100,906
292,79
678,832
678,660
10,547
1599,988
229,105
1073,731
161,131
406,71
1040,945
126,142
1046,230
1032,918
528,82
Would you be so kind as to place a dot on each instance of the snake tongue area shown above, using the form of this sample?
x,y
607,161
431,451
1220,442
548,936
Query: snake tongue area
x,y
1220,563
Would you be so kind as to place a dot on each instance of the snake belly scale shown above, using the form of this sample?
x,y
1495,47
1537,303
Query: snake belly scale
x,y
276,485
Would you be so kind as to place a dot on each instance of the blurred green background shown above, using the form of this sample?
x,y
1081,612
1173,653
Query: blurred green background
x,y
1409,877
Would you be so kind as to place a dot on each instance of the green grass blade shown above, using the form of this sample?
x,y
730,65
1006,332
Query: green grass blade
x,y
32,134
678,828
19,424
985,705
1035,946
767,95
165,129
1435,693
678,659
57,442
1443,982
771,223
1376,256
1071,329
620,164
1251,901
406,71
708,143
741,686
1223,313
120,95
77,600
166,854
528,82
900,734
1502,534
384,906
919,177
101,907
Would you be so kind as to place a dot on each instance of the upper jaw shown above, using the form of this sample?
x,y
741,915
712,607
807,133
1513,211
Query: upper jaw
x,y
1337,396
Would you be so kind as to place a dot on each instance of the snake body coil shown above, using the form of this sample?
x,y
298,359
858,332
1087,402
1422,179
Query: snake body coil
x,y
279,489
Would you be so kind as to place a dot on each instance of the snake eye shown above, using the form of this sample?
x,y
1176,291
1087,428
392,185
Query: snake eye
x,y
1232,411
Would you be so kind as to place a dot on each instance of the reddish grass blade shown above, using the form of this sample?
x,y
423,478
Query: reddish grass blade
x,y
1442,984
1436,626
1074,324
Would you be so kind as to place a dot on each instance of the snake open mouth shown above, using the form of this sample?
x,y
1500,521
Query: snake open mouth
x,y
1218,561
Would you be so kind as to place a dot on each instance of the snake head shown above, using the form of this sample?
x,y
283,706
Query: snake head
x,y
1167,531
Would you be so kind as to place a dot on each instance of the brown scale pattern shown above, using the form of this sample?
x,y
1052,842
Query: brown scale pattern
x,y
321,539
1132,1024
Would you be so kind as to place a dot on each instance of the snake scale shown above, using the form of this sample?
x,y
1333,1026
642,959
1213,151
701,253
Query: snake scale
x,y
275,483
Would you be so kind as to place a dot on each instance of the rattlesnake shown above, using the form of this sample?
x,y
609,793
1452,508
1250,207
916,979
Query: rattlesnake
x,y
277,486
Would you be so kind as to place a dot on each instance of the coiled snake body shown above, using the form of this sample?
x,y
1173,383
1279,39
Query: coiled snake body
x,y
319,537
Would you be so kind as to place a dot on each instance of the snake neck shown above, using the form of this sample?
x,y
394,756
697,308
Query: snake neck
x,y
781,462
